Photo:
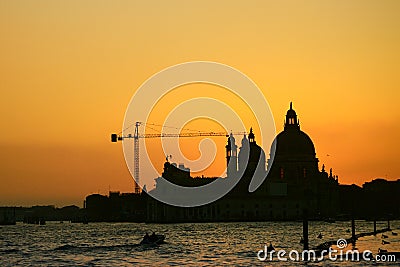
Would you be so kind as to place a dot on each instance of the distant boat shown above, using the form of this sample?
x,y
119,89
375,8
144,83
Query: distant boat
x,y
152,239
384,242
384,236
270,247
320,235
393,233
301,240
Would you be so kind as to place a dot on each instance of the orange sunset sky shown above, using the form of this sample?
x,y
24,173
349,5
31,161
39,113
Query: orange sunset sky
x,y
69,69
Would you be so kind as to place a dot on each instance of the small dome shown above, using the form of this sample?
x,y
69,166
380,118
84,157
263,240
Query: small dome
x,y
291,113
231,142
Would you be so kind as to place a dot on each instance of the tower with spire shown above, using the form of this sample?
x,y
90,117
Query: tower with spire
x,y
291,119
251,161
231,156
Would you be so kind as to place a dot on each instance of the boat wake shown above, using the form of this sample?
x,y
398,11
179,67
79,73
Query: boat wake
x,y
75,248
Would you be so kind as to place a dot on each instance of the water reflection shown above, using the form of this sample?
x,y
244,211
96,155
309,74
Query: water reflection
x,y
117,244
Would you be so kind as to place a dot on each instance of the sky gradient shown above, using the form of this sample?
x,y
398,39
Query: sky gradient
x,y
69,69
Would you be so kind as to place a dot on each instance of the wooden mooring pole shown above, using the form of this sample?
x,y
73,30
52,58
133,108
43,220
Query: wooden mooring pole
x,y
353,230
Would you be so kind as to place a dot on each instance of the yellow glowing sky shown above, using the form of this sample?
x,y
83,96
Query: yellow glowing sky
x,y
69,68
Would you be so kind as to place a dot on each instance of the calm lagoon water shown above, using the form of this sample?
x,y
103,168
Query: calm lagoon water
x,y
206,244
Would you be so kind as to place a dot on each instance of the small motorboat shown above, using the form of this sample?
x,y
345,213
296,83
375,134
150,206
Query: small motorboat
x,y
384,236
384,242
394,233
152,239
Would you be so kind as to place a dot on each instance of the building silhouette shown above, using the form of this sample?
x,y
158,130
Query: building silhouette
x,y
295,183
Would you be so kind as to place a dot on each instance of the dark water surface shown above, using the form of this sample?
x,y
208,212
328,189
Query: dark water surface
x,y
206,244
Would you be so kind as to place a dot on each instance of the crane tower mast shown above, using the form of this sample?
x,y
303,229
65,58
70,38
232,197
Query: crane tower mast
x,y
136,157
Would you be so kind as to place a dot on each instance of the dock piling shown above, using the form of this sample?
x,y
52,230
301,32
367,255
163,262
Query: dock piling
x,y
353,230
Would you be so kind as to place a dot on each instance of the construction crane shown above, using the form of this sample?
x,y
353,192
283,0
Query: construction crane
x,y
137,135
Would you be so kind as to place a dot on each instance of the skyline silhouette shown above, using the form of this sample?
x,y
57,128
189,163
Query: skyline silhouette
x,y
70,69
293,184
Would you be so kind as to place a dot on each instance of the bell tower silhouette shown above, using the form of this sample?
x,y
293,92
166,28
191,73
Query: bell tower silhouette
x,y
251,136
231,156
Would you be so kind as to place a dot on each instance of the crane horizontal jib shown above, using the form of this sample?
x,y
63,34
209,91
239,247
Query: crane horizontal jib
x,y
182,134
115,137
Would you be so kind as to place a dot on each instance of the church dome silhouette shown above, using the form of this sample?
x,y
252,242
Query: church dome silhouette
x,y
292,141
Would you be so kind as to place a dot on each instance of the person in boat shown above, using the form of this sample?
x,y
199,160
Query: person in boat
x,y
153,239
146,237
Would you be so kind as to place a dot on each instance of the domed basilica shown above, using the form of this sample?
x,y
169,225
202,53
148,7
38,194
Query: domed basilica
x,y
293,182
